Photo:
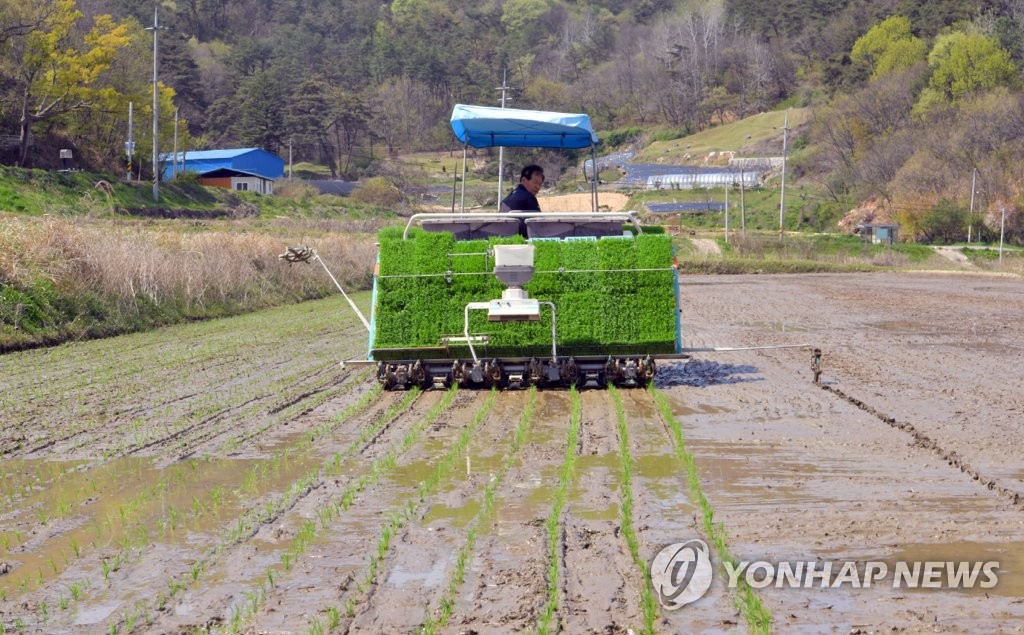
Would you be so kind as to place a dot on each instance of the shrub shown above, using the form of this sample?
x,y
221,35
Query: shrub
x,y
671,134
295,189
620,136
377,191
62,279
945,223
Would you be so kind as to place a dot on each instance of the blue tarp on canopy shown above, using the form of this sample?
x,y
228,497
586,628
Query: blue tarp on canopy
x,y
484,127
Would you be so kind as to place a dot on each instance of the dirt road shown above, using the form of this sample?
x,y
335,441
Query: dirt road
x,y
229,476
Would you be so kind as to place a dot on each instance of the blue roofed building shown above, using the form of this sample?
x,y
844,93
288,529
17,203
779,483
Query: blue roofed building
x,y
242,169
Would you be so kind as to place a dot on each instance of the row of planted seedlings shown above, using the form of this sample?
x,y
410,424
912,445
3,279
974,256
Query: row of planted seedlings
x,y
128,516
648,604
342,501
243,398
120,496
211,413
73,395
299,383
208,342
80,487
547,620
84,371
304,475
436,617
35,482
746,599
248,524
132,543
110,397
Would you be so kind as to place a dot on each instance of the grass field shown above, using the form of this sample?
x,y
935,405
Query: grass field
x,y
732,137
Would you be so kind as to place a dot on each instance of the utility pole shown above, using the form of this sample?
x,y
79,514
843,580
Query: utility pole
x,y
743,208
727,213
504,88
129,145
156,103
1002,229
782,194
970,217
174,161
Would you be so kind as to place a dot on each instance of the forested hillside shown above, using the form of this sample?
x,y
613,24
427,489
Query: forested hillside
x,y
909,96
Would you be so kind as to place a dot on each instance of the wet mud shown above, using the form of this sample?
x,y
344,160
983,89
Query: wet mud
x,y
231,476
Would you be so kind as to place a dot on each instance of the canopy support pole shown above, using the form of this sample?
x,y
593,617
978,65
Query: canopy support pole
x,y
465,155
593,183
455,185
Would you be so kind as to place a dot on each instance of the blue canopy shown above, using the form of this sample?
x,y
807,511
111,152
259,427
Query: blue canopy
x,y
484,127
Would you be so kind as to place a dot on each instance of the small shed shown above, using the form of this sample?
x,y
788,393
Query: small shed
x,y
879,233
244,169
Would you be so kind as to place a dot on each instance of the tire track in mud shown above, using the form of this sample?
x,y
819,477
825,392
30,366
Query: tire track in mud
x,y
923,441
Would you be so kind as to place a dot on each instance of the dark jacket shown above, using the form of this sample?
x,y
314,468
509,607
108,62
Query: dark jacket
x,y
520,200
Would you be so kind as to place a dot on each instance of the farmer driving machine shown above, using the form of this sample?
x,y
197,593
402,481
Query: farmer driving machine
x,y
519,299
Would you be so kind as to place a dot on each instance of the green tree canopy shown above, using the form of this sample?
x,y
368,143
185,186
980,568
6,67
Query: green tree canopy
x,y
963,64
262,112
889,46
55,68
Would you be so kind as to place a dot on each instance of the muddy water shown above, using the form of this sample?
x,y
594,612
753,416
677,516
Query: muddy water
x,y
129,503
143,525
795,473
134,506
419,568
1008,555
603,587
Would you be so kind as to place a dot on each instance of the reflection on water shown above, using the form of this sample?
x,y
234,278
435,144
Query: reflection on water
x,y
110,510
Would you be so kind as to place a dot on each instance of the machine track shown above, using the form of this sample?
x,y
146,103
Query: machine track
x,y
921,440
519,373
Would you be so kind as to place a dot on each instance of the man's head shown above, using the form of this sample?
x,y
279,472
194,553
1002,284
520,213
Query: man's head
x,y
532,177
